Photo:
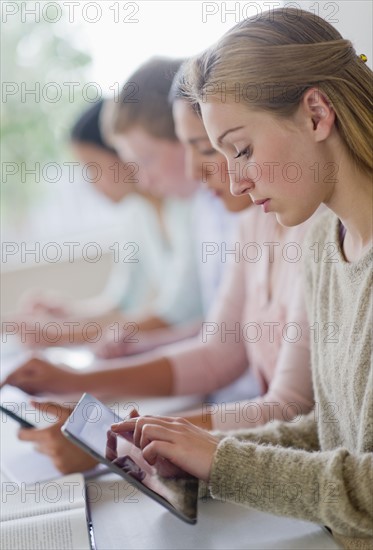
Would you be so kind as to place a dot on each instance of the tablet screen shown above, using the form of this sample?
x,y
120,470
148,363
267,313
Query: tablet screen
x,y
89,427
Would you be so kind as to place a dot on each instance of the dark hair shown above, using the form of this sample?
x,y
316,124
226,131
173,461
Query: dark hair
x,y
144,99
87,128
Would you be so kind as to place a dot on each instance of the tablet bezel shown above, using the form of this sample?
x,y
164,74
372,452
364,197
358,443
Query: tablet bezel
x,y
74,418
22,421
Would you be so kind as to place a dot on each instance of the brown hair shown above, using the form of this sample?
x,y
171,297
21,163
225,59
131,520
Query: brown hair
x,y
144,100
270,61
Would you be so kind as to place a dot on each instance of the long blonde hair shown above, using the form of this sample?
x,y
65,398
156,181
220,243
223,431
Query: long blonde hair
x,y
268,62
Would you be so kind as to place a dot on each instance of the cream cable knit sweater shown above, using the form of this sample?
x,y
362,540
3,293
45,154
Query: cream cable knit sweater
x,y
319,468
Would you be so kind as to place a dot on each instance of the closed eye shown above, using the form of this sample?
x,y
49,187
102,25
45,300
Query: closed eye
x,y
247,152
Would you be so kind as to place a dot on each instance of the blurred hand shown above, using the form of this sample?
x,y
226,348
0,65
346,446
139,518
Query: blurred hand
x,y
37,376
39,309
175,439
108,348
112,350
66,456
44,303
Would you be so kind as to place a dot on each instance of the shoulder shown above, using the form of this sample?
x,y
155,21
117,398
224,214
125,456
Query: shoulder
x,y
320,233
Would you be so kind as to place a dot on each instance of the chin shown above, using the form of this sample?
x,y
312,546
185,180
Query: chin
x,y
290,219
228,206
236,208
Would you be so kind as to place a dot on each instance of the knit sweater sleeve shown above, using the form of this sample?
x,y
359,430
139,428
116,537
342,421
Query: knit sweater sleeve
x,y
301,433
330,487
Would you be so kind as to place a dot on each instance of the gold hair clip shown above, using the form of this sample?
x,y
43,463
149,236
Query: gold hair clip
x,y
363,57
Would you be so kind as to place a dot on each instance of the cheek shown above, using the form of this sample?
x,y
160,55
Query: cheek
x,y
218,176
173,168
278,169
251,171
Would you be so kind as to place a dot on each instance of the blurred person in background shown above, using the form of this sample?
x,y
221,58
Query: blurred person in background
x,y
266,293
159,288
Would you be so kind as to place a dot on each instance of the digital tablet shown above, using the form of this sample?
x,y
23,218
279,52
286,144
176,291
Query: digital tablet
x,y
24,423
88,426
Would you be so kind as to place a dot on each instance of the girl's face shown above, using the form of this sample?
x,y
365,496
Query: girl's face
x,y
159,163
202,161
283,164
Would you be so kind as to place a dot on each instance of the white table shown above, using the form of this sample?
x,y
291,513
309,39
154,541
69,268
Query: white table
x,y
124,518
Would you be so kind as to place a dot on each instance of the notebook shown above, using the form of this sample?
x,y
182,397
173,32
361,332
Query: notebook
x,y
52,515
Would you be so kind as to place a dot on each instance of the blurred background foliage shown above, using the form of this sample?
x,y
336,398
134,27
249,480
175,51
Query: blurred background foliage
x,y
33,128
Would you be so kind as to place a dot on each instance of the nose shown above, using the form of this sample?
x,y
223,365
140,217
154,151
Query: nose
x,y
240,184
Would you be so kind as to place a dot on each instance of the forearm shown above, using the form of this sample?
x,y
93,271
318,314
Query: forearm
x,y
202,367
151,323
82,329
331,488
150,339
147,379
300,434
257,412
198,417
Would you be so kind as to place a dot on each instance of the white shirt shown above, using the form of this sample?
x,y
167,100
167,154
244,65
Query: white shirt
x,y
153,274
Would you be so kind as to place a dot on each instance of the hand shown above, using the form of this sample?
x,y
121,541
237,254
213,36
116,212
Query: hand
x,y
45,303
111,349
37,376
66,456
37,308
34,334
175,439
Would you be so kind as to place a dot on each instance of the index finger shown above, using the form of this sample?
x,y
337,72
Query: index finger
x,y
130,424
125,425
32,434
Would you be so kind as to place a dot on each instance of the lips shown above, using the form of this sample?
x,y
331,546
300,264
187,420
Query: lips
x,y
259,203
265,204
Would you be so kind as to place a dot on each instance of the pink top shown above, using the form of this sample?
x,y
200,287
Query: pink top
x,y
249,328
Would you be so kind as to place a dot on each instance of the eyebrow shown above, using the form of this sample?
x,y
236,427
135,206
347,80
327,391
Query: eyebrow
x,y
197,139
220,138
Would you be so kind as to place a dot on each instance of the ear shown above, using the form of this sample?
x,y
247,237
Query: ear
x,y
320,113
